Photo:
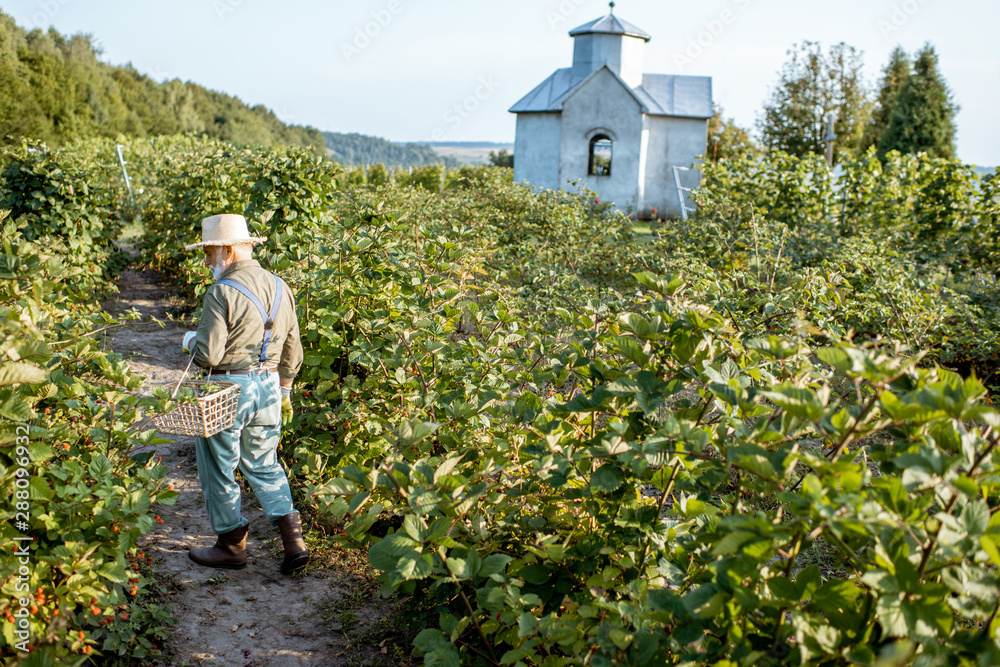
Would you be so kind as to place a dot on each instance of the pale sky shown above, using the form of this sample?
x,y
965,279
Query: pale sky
x,y
398,68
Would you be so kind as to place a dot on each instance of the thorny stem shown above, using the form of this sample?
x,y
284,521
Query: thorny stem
x,y
777,261
847,439
379,359
989,621
849,436
925,559
97,331
659,509
472,614
111,429
756,252
892,303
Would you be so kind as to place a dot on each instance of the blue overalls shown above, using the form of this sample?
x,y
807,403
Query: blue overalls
x,y
251,443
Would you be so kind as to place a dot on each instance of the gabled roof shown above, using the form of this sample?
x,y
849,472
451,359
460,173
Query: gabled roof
x,y
659,94
676,95
549,94
610,25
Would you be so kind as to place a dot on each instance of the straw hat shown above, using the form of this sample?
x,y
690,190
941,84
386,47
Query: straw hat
x,y
226,229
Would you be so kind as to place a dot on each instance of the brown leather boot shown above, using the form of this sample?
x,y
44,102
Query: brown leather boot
x,y
296,553
229,552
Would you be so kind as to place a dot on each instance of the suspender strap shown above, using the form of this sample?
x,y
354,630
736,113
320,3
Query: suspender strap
x,y
264,315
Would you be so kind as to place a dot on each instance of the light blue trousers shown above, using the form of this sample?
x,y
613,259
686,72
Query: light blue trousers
x,y
251,444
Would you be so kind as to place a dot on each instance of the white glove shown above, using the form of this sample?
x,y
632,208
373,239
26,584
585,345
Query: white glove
x,y
188,339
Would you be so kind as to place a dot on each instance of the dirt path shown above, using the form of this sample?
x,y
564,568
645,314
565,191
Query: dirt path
x,y
331,614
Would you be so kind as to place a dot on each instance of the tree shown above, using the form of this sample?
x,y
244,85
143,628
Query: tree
x,y
894,76
502,159
811,87
726,139
923,116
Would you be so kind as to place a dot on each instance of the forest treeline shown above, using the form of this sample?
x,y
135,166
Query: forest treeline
x,y
361,149
56,89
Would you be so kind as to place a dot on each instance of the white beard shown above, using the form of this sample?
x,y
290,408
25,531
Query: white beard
x,y
218,269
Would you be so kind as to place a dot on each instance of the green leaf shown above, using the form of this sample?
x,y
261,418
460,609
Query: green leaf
x,y
975,517
666,286
21,373
415,565
838,599
113,572
808,580
934,613
430,639
783,589
494,564
989,545
16,409
410,432
732,542
629,348
796,401
38,489
705,601
527,624
607,478
890,615
535,573
446,656
621,638
414,527
100,467
384,554
465,568
166,497
527,407
836,357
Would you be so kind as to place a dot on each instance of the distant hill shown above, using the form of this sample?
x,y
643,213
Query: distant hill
x,y
470,152
54,88
361,149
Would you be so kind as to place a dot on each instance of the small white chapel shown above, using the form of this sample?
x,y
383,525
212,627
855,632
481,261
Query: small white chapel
x,y
614,128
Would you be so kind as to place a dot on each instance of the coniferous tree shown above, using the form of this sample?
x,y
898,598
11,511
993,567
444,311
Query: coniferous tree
x,y
894,76
813,85
923,116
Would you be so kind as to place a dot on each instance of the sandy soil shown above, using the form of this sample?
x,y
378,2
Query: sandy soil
x,y
255,616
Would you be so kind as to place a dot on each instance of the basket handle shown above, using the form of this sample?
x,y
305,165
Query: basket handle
x,y
184,375
177,389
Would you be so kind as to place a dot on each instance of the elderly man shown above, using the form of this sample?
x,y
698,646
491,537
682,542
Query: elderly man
x,y
248,334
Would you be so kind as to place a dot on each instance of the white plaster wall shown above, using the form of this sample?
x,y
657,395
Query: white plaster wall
x,y
536,150
633,59
623,55
602,104
670,141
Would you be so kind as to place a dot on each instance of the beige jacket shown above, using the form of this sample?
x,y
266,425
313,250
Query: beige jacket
x,y
231,331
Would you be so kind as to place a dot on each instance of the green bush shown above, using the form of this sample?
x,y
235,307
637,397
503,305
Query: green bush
x,y
735,444
67,411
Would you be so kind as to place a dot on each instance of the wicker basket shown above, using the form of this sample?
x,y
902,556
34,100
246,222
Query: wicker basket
x,y
205,417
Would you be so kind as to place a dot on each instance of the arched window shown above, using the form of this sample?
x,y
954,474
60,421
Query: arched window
x,y
599,163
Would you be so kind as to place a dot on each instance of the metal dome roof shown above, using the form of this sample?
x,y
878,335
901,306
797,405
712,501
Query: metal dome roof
x,y
610,25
